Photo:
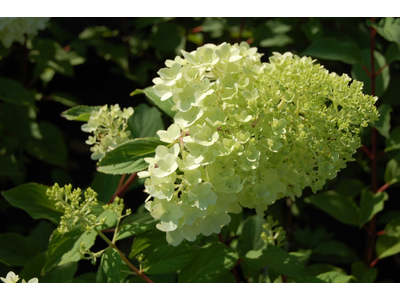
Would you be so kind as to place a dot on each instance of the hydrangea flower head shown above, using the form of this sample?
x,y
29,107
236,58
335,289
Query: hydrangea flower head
x,y
249,133
14,29
13,278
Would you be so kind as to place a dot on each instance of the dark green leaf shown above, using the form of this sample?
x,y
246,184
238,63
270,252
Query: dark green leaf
x,y
105,186
51,147
65,248
129,157
345,51
334,251
392,53
65,98
341,208
389,28
389,216
135,224
393,143
381,81
111,264
213,261
251,239
165,106
32,198
316,269
370,205
145,122
363,273
79,113
13,92
275,257
9,167
388,244
158,256
383,124
311,238
41,234
392,172
350,187
17,250
236,220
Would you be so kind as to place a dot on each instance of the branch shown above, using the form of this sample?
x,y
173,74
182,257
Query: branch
x,y
122,190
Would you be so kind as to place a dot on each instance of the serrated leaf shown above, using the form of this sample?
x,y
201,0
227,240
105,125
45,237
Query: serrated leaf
x,y
165,106
383,124
335,277
275,257
341,208
64,248
16,249
129,157
145,122
370,205
32,198
111,264
212,261
79,113
158,256
330,48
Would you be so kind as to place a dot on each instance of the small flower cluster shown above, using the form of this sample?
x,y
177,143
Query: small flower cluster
x,y
75,210
247,133
14,29
273,234
109,127
13,278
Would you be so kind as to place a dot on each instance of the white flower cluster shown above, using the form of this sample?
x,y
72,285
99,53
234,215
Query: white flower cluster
x,y
247,133
13,278
15,29
109,127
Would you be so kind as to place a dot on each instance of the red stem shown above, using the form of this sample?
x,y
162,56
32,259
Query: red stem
x,y
121,191
383,187
366,151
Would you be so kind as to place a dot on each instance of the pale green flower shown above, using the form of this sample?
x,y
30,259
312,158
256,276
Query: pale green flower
x,y
13,278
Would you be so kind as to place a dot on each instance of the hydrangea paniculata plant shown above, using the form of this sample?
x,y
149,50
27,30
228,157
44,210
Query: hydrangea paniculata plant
x,y
247,133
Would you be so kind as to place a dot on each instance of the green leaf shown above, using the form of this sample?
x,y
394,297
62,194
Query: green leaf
x,y
339,207
9,167
158,256
111,264
16,249
393,143
383,124
105,186
60,274
392,172
251,237
389,216
51,147
392,53
350,187
135,224
212,262
389,28
363,273
274,257
344,50
65,98
316,269
236,220
334,251
381,81
370,205
41,234
13,92
79,113
165,106
335,277
129,157
308,238
388,244
32,198
145,122
65,248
